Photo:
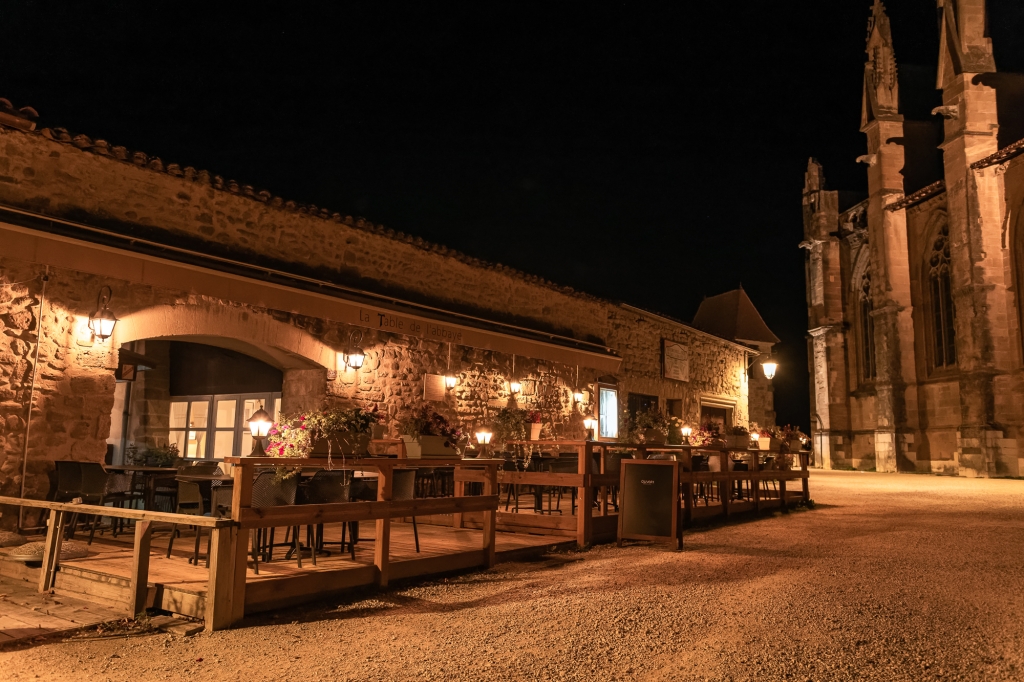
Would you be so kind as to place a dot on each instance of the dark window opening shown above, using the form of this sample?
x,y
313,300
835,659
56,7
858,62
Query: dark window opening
x,y
639,402
867,330
942,312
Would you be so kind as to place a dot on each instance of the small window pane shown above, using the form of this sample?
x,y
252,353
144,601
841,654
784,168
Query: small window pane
x,y
246,447
179,413
223,444
226,413
177,438
609,413
277,409
200,413
251,406
195,446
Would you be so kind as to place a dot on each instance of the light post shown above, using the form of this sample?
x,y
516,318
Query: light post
x,y
259,427
686,434
483,439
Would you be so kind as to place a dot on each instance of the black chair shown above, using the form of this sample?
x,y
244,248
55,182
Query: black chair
x,y
566,465
403,487
69,480
327,487
270,491
190,501
613,465
512,489
100,487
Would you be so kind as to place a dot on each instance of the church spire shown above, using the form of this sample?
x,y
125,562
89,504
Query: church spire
x,y
881,86
964,45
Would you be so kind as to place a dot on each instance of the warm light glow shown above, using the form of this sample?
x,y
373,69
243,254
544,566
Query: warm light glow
x,y
354,358
483,437
259,423
515,386
578,397
687,431
450,381
102,322
755,437
590,424
769,367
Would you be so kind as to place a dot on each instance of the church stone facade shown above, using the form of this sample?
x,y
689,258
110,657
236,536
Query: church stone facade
x,y
913,299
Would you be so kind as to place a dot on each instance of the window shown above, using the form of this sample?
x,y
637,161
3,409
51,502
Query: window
x,y
608,412
639,402
943,334
214,426
867,330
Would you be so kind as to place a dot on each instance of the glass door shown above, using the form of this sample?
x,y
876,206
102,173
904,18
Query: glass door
x,y
216,426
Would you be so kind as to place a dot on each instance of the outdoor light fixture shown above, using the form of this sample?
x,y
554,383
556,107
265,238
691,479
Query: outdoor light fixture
x,y
354,356
102,322
514,386
483,437
449,378
590,424
686,434
754,437
769,366
259,426
578,397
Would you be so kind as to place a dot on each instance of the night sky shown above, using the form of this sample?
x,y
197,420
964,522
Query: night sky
x,y
649,154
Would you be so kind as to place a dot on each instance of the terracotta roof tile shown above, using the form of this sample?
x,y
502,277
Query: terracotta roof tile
x,y
733,316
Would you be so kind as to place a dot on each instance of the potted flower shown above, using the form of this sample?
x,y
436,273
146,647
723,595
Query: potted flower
x,y
426,433
289,437
160,456
652,425
534,419
737,438
341,432
769,438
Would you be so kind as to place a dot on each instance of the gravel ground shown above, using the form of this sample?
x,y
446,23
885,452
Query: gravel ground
x,y
889,578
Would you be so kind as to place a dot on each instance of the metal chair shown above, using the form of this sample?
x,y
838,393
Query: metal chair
x,y
327,487
566,465
403,487
69,480
613,465
93,490
269,491
190,501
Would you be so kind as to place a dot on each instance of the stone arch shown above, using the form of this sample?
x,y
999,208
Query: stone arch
x,y
259,335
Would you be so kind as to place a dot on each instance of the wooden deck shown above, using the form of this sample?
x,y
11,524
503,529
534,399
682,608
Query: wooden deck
x,y
179,587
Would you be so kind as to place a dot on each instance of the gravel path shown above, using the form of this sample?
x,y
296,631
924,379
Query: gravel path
x,y
889,578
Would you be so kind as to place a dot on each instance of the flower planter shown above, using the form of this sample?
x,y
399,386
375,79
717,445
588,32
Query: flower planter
x,y
535,430
654,437
378,432
740,442
772,444
428,447
342,446
796,445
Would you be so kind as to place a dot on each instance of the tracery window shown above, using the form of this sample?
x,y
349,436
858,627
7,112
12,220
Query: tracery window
x,y
867,329
943,335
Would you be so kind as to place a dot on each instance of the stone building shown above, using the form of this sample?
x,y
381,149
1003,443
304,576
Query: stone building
x,y
237,298
914,318
732,316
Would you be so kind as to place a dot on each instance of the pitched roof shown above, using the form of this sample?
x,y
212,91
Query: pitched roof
x,y
733,316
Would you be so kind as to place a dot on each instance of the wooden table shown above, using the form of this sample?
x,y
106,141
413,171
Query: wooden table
x,y
150,475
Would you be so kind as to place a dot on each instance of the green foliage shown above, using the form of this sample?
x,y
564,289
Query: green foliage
x,y
509,424
296,436
161,456
426,422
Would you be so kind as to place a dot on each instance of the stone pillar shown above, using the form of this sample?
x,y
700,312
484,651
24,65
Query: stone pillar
x,y
975,203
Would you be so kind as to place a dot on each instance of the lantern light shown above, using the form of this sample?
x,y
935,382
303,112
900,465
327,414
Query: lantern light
x,y
755,437
259,426
769,366
354,355
578,397
483,437
686,434
102,322
590,424
514,386
450,381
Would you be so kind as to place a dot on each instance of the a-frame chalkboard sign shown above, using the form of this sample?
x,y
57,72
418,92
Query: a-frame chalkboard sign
x,y
649,507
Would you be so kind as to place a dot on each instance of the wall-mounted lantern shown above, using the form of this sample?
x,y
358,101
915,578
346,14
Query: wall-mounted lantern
x,y
769,366
449,378
354,355
102,322
590,424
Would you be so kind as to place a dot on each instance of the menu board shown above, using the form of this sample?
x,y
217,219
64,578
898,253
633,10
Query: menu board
x,y
649,508
675,360
433,388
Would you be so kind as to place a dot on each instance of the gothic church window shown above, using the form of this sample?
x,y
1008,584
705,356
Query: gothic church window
x,y
943,335
867,329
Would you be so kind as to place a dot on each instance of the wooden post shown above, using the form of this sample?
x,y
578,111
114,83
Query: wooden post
x,y
241,498
782,496
490,516
755,466
140,568
725,490
460,491
51,551
382,546
584,510
687,464
219,590
804,458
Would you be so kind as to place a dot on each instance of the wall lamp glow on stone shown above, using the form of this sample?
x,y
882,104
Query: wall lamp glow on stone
x,y
483,437
514,386
450,380
769,366
259,426
590,424
578,397
354,355
101,322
